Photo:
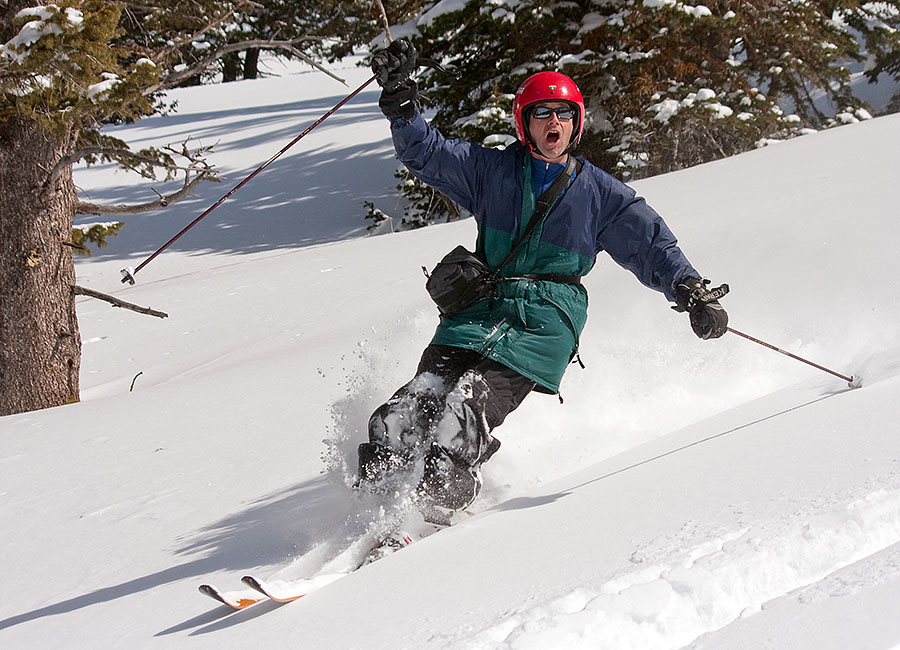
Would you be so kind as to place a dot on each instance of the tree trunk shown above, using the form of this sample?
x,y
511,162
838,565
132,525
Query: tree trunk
x,y
251,63
40,347
231,64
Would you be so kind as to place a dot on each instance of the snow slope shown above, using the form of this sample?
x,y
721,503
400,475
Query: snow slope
x,y
687,494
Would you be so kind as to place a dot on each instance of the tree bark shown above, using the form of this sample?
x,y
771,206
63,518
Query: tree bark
x,y
40,346
231,64
251,63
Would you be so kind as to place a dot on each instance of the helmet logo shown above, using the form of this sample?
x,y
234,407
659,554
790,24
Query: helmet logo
x,y
552,89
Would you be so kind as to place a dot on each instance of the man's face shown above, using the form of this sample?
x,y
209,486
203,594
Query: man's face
x,y
551,134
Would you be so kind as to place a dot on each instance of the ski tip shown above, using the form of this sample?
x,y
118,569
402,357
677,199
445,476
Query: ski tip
x,y
234,603
278,596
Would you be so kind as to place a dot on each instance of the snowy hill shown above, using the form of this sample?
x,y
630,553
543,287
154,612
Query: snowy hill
x,y
687,494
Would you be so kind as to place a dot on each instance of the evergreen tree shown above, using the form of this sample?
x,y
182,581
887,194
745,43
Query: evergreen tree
x,y
667,84
316,29
67,69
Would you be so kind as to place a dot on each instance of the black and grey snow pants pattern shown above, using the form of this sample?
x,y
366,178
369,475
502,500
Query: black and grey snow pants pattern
x,y
444,417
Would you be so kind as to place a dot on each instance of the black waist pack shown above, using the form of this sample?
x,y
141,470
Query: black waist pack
x,y
464,277
459,280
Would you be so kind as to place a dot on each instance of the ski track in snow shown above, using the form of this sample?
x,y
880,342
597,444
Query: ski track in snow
x,y
705,587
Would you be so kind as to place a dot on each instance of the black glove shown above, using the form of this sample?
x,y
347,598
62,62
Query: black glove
x,y
708,319
400,102
392,68
394,65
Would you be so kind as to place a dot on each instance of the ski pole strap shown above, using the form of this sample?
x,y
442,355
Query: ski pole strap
x,y
699,296
431,63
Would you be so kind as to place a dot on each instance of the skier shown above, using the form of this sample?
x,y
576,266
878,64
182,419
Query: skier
x,y
436,431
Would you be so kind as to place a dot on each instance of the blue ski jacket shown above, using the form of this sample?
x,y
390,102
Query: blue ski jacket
x,y
533,326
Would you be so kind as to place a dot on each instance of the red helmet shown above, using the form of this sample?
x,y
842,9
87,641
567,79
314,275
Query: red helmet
x,y
542,87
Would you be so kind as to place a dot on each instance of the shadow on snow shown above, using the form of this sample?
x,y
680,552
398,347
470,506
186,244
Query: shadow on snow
x,y
276,527
308,196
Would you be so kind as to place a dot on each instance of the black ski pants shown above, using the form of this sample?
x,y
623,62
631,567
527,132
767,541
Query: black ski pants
x,y
444,415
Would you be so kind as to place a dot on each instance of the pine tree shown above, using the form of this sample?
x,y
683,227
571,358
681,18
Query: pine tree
x,y
667,84
58,72
67,69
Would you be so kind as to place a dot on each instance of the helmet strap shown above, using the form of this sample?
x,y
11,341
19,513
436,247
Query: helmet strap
x,y
532,147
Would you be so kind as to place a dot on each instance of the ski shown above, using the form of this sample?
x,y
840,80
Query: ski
x,y
234,599
286,591
282,591
364,551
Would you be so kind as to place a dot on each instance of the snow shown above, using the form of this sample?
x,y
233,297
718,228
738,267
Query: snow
x,y
688,494
439,9
700,11
110,81
584,57
668,108
16,49
665,110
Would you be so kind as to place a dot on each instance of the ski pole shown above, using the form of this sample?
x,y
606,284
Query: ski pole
x,y
852,381
129,273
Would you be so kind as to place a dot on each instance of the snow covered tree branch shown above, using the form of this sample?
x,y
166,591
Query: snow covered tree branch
x,y
668,83
183,40
183,75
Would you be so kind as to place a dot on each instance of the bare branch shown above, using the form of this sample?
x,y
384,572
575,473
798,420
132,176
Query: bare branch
x,y
178,77
120,155
195,171
177,44
310,61
384,19
119,209
116,302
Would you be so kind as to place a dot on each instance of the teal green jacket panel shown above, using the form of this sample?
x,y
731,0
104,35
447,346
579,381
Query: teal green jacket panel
x,y
532,326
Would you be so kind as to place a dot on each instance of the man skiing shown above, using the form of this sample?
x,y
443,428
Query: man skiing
x,y
435,432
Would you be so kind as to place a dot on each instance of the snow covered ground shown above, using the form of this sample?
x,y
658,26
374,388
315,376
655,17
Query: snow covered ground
x,y
688,494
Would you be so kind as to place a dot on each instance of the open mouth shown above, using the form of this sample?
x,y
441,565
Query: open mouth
x,y
553,137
